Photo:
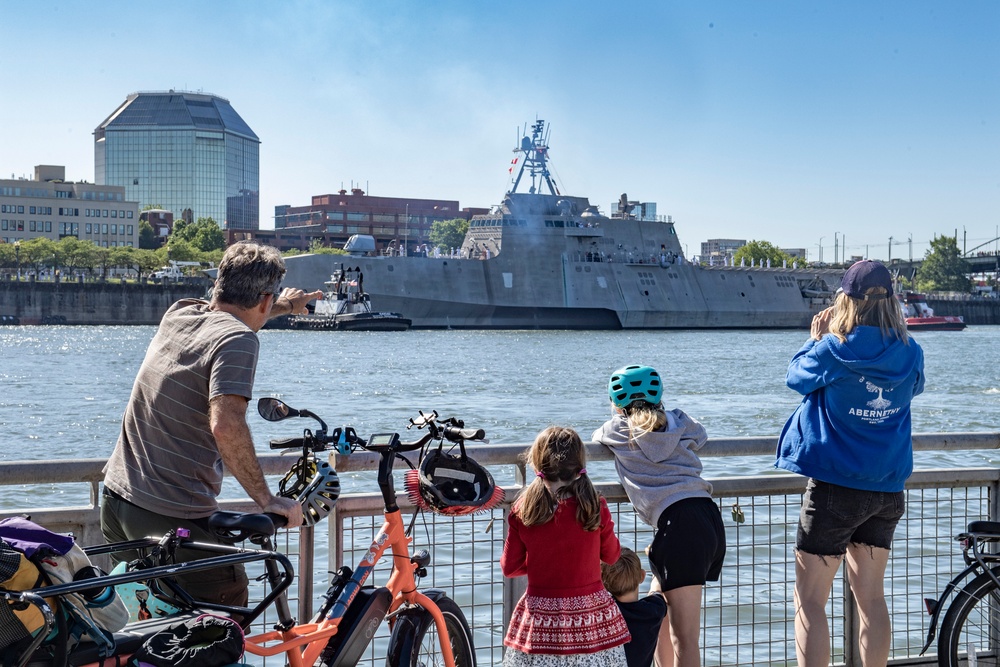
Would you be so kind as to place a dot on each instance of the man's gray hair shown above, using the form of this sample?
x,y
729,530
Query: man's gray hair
x,y
248,271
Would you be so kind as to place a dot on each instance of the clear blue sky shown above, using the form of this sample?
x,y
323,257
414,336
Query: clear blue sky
x,y
789,122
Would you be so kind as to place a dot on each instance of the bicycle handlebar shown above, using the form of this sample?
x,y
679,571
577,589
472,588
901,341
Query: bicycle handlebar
x,y
345,440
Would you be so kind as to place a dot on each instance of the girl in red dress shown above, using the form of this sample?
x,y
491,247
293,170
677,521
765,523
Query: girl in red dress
x,y
559,532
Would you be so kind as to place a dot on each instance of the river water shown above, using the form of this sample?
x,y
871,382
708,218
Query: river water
x,y
63,389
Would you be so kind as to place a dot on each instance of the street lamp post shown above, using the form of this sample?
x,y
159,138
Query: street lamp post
x,y
17,258
821,249
890,250
836,248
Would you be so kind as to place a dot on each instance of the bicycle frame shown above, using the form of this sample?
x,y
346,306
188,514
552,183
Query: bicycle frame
x,y
302,644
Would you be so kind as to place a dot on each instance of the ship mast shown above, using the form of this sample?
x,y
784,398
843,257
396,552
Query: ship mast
x,y
535,150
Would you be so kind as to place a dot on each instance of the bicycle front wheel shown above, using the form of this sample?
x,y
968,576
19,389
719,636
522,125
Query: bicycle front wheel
x,y
415,643
972,625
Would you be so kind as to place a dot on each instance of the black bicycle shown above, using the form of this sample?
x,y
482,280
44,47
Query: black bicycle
x,y
156,569
970,628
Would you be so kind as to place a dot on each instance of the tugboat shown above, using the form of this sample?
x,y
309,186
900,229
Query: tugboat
x,y
921,317
347,307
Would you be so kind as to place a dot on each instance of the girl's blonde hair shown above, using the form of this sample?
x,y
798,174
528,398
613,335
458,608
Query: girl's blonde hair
x,y
884,313
558,455
643,417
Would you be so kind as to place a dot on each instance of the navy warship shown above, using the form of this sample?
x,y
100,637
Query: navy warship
x,y
544,260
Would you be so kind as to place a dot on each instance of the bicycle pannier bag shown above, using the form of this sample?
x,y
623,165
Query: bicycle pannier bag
x,y
205,641
17,573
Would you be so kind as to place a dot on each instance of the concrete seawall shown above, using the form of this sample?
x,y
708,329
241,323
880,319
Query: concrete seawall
x,y
973,310
111,302
115,302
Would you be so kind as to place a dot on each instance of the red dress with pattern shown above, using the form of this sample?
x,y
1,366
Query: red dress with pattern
x,y
565,609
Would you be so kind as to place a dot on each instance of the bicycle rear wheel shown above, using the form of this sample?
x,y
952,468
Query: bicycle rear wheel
x,y
972,624
414,641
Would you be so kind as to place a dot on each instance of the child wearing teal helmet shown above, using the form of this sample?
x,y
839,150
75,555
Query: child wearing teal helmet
x,y
656,458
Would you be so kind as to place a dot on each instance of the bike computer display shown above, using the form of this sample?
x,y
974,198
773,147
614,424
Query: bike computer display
x,y
383,439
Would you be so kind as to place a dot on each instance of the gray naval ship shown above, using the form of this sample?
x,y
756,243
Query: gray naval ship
x,y
543,260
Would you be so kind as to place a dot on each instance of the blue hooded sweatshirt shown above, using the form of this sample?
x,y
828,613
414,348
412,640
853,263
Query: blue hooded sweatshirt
x,y
853,426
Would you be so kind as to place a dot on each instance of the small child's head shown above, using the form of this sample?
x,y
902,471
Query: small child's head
x,y
625,575
637,393
557,455
560,462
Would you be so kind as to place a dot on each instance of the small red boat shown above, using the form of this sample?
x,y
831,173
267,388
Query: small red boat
x,y
921,317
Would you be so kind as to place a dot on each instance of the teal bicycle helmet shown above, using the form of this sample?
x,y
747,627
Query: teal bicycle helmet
x,y
635,383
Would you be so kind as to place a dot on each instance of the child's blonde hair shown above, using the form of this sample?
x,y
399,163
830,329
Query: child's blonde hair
x,y
884,313
557,455
624,576
642,418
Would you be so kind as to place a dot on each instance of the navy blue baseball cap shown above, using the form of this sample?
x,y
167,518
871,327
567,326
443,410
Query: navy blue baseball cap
x,y
864,275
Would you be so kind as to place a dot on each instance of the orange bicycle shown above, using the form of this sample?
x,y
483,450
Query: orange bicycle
x,y
427,627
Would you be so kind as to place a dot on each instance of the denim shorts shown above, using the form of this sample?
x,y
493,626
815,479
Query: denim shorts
x,y
834,516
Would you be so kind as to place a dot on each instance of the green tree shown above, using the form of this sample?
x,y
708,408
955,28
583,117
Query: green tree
x,y
7,255
449,233
208,235
37,252
316,247
145,261
122,257
180,250
147,236
75,254
204,235
756,251
943,268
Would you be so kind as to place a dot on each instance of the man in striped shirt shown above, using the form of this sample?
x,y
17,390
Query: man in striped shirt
x,y
186,417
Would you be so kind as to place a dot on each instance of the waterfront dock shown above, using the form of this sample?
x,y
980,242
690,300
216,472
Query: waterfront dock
x,y
747,616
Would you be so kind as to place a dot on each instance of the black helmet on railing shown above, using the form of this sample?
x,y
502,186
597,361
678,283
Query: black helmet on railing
x,y
315,485
452,484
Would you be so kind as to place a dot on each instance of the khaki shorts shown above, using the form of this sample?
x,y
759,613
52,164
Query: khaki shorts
x,y
121,521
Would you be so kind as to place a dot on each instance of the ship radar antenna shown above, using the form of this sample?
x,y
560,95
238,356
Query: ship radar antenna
x,y
535,153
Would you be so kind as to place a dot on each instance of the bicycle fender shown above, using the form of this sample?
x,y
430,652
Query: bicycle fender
x,y
940,605
401,643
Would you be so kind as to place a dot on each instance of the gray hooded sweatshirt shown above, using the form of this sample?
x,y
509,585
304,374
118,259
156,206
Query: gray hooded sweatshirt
x,y
658,468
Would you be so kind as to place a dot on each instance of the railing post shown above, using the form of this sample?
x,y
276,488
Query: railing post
x,y
852,623
513,589
307,549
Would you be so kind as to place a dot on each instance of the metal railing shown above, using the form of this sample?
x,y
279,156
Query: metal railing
x,y
748,614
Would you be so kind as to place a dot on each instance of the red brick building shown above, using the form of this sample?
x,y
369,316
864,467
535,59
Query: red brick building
x,y
334,218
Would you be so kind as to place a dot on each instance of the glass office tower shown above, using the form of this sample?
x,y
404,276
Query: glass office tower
x,y
184,152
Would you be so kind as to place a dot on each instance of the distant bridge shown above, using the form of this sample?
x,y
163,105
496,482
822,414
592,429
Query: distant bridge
x,y
988,262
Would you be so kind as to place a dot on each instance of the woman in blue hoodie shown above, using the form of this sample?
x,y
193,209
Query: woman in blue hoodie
x,y
656,458
851,436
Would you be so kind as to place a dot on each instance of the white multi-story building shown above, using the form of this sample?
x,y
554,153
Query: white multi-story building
x,y
48,206
720,251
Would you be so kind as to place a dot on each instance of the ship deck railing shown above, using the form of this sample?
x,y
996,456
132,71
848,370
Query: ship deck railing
x,y
748,616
